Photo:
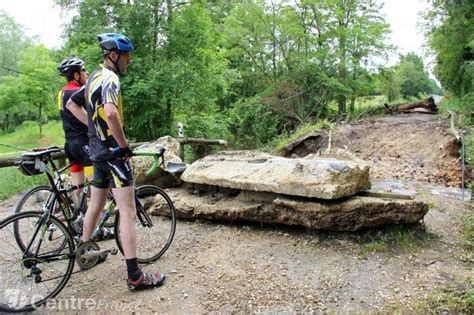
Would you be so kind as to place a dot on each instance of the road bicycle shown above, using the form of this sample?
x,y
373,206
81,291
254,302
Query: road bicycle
x,y
35,198
36,268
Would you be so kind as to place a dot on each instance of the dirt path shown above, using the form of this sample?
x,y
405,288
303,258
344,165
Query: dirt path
x,y
231,267
406,147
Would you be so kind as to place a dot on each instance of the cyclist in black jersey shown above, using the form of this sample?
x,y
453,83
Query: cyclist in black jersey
x,y
110,152
75,129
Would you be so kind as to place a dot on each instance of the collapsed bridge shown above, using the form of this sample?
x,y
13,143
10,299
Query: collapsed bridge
x,y
326,192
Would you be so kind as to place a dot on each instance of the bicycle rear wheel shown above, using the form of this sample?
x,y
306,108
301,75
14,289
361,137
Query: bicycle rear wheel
x,y
34,199
156,223
31,277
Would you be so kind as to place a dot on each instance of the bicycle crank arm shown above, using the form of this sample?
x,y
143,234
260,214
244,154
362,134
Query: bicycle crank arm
x,y
95,253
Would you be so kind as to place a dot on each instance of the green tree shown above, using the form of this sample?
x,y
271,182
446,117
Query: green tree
x,y
178,72
450,29
38,82
411,76
12,41
12,102
389,86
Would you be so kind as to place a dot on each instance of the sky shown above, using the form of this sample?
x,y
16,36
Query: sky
x,y
39,17
402,15
43,19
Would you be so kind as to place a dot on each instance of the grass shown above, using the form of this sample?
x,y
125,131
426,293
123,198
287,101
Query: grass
x,y
25,137
378,245
12,181
447,300
395,238
366,103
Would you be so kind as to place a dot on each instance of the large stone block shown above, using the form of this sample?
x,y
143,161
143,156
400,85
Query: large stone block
x,y
162,178
348,214
318,177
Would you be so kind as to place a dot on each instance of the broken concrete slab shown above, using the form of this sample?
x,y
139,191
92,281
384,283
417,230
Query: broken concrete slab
x,y
318,177
162,178
348,214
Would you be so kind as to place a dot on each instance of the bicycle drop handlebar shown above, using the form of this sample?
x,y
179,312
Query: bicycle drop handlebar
x,y
156,156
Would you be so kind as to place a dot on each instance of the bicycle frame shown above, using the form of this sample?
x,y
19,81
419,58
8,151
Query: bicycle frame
x,y
60,194
43,257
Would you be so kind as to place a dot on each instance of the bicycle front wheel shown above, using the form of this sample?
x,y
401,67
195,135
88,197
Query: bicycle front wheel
x,y
38,199
31,277
155,223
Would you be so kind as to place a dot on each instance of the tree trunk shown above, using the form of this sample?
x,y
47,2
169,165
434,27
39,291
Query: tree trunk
x,y
40,119
7,122
352,105
169,7
428,104
341,104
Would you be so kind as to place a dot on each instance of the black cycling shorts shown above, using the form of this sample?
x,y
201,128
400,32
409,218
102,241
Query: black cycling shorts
x,y
113,173
78,152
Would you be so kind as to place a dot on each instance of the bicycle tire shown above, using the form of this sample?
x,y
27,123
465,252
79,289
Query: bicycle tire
x,y
29,280
110,223
154,241
35,200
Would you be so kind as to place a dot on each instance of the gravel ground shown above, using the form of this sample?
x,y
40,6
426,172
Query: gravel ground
x,y
223,267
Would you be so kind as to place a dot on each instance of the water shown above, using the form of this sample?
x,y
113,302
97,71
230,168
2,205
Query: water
x,y
410,188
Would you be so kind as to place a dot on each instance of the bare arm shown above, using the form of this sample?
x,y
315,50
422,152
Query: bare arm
x,y
114,124
78,111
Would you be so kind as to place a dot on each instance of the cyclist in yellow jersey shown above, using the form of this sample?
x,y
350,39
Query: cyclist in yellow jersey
x,y
110,152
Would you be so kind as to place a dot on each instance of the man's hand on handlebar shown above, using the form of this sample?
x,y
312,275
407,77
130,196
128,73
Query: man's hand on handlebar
x,y
125,153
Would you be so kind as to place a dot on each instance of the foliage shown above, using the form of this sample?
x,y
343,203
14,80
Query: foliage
x,y
450,28
40,91
411,76
378,245
177,68
252,123
31,94
276,45
250,71
12,41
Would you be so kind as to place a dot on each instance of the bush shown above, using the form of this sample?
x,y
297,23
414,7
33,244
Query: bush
x,y
252,124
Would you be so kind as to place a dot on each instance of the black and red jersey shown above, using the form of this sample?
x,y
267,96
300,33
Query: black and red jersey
x,y
74,129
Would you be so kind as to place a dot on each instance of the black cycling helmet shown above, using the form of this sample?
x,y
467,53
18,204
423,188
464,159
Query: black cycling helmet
x,y
113,41
70,64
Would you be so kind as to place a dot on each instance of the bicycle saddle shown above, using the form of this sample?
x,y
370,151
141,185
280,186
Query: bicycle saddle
x,y
175,167
40,154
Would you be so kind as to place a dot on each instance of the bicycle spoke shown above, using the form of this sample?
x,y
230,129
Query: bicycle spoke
x,y
43,271
156,228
